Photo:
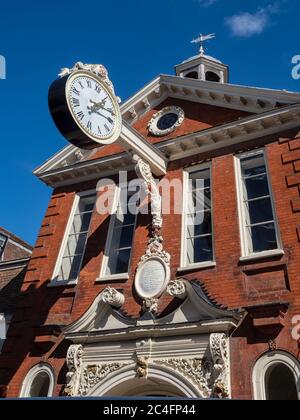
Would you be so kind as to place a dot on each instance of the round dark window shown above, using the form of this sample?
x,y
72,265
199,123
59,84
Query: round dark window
x,y
167,121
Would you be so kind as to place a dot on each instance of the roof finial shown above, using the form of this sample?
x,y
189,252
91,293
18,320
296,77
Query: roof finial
x,y
201,40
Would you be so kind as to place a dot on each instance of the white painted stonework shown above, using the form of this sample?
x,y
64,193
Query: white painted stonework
x,y
185,354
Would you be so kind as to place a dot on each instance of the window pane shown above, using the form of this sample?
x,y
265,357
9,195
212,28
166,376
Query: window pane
x,y
280,384
40,386
264,237
119,262
254,165
260,211
204,175
70,267
76,245
257,187
199,250
196,229
122,237
81,222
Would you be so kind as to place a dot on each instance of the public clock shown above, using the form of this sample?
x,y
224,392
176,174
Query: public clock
x,y
85,109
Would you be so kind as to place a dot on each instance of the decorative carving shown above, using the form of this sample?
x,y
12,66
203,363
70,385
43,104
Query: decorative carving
x,y
74,363
113,297
220,357
79,154
142,367
150,305
93,375
155,249
144,172
153,123
133,113
97,69
177,289
272,345
146,103
197,370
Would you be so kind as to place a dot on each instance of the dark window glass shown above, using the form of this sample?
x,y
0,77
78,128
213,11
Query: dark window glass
x,y
167,121
264,237
212,77
192,75
281,384
40,386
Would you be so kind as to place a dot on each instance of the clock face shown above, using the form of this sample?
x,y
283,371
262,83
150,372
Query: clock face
x,y
93,106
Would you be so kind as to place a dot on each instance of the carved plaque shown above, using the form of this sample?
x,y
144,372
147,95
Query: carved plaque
x,y
152,278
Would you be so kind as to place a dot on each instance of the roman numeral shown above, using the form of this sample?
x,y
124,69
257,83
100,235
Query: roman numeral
x,y
82,87
76,102
89,84
75,91
89,125
110,120
80,115
98,89
99,131
106,128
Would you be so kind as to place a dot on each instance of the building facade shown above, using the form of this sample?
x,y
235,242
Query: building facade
x,y
191,302
14,258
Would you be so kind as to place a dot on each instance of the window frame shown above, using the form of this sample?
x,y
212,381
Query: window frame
x,y
184,260
267,361
2,250
103,277
32,374
245,256
54,281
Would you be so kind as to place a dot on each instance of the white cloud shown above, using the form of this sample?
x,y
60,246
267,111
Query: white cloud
x,y
207,3
247,24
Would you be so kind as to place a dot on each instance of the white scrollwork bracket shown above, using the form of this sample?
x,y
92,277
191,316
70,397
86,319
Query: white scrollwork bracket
x,y
74,363
220,357
112,297
177,289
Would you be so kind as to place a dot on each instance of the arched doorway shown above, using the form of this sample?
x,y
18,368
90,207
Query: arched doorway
x,y
276,376
159,382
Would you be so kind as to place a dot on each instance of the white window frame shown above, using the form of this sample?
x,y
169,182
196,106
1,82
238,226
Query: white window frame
x,y
54,282
262,366
4,246
122,276
32,374
186,176
245,256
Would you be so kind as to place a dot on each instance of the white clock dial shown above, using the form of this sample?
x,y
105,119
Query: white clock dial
x,y
92,106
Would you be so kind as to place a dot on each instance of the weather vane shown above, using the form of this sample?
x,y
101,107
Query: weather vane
x,y
201,40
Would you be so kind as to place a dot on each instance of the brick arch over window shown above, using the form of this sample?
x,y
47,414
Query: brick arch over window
x,y
264,375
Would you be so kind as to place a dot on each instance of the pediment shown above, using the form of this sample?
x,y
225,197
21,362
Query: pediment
x,y
102,318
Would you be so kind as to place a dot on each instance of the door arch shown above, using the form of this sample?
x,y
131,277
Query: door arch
x,y
159,381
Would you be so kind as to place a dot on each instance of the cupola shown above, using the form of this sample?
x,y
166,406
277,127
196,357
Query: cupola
x,y
203,67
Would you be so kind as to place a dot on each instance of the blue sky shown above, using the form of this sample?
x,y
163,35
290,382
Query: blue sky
x,y
136,40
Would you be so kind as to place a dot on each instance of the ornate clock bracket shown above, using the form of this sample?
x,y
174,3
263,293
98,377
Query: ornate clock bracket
x,y
155,253
97,69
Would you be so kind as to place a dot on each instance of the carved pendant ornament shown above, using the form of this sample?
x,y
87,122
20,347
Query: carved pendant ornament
x,y
153,272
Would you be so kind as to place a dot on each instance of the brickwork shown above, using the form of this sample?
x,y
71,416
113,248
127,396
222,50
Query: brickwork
x,y
41,310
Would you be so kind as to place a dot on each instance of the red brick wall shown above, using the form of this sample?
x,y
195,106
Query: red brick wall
x,y
230,283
